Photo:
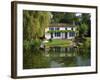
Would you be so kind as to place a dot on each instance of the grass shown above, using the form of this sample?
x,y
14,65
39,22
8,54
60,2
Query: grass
x,y
58,42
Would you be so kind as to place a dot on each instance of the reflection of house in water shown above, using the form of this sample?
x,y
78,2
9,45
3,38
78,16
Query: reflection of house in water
x,y
60,31
61,52
63,49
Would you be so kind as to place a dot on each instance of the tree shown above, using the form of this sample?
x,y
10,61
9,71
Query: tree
x,y
63,17
57,16
86,19
68,18
34,23
82,30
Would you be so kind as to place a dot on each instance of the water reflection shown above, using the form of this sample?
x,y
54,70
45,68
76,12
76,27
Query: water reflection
x,y
56,57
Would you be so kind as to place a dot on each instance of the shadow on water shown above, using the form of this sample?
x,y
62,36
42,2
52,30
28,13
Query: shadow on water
x,y
55,57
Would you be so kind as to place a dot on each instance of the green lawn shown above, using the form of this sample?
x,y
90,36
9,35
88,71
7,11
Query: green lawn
x,y
58,42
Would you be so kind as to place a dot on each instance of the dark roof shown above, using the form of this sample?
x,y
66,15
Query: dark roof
x,y
61,25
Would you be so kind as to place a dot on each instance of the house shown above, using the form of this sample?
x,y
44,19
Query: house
x,y
60,31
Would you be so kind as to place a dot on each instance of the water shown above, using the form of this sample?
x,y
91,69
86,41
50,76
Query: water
x,y
56,57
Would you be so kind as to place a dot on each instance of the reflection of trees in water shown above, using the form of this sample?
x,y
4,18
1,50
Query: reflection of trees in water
x,y
35,59
84,57
85,53
56,57
71,56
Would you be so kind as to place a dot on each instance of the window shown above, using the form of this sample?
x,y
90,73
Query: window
x,y
57,34
71,34
56,28
51,28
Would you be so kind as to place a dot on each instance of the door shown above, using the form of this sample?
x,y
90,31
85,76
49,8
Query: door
x,y
65,35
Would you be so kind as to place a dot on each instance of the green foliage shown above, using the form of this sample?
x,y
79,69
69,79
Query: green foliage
x,y
27,25
86,44
86,19
57,16
63,17
26,45
36,44
68,18
82,30
34,23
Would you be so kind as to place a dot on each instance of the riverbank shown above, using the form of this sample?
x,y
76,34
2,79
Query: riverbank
x,y
59,42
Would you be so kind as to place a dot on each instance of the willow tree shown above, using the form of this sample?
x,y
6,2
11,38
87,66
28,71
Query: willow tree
x,y
34,23
41,20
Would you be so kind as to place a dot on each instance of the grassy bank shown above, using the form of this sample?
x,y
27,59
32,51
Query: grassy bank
x,y
58,42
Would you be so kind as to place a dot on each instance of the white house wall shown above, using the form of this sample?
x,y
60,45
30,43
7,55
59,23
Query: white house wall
x,y
47,35
62,28
69,28
46,29
74,29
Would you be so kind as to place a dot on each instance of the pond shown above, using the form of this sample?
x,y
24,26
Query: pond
x,y
55,57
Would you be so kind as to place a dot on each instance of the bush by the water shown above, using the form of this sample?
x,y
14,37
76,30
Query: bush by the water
x,y
86,43
33,44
